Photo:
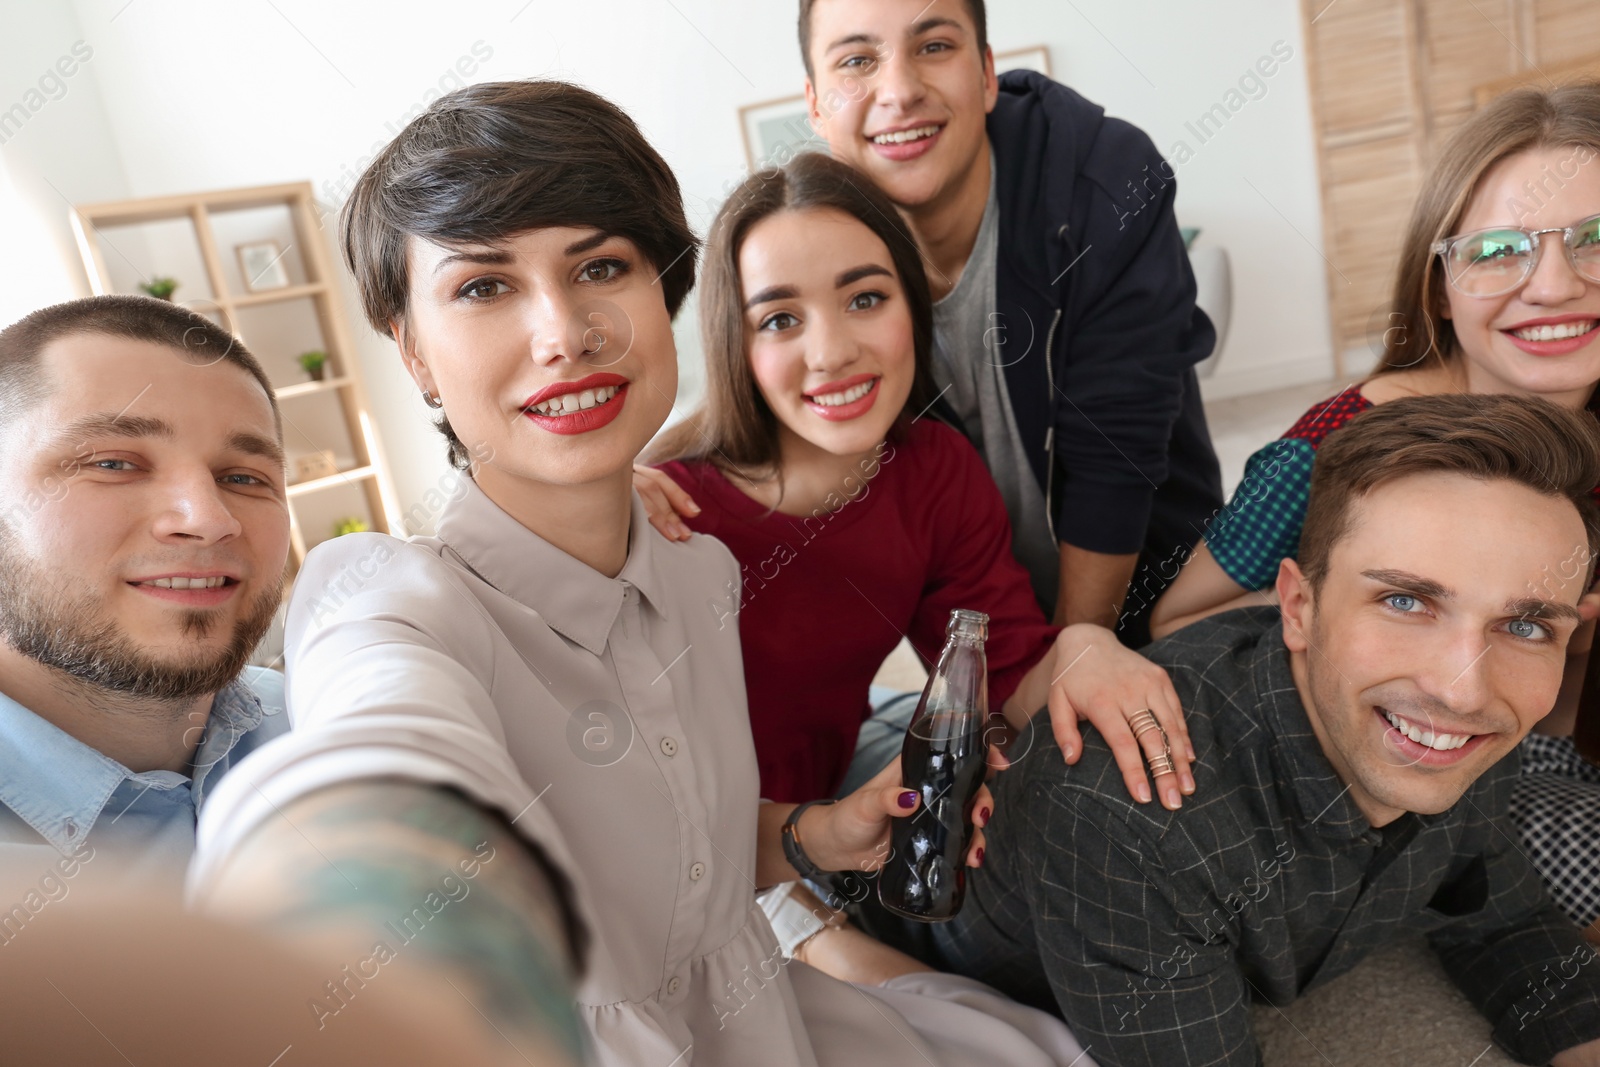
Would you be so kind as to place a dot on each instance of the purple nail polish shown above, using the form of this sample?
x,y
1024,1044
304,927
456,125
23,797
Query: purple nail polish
x,y
908,799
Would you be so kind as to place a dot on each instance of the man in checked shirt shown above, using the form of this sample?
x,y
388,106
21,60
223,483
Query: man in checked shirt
x,y
1356,755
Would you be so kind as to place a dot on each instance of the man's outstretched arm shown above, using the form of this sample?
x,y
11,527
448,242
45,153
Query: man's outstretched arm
x,y
381,874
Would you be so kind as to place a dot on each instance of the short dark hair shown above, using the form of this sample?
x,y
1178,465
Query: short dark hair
x,y
137,318
489,161
734,427
1527,440
975,8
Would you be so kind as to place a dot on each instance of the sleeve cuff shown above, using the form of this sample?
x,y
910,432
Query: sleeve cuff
x,y
1112,519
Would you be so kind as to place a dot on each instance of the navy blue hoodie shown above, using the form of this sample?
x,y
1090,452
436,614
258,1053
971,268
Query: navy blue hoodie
x,y
1100,333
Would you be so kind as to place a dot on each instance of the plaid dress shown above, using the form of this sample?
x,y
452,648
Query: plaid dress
x,y
1556,805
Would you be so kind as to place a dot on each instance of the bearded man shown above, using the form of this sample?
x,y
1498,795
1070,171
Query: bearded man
x,y
143,533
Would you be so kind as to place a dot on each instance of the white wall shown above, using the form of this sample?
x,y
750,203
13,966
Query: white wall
x,y
202,95
56,149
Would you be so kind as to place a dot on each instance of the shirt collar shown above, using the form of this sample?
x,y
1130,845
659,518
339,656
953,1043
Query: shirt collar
x,y
1323,798
59,786
235,712
576,600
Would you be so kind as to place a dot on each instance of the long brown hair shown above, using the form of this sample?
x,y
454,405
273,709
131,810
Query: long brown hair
x,y
1519,121
734,427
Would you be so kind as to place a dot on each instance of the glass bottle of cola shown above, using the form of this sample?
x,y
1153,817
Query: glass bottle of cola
x,y
943,760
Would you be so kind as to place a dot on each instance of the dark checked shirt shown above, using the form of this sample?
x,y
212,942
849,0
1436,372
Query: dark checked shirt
x,y
1150,931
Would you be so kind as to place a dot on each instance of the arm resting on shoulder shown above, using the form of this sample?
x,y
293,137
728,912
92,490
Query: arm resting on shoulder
x,y
1201,589
1094,586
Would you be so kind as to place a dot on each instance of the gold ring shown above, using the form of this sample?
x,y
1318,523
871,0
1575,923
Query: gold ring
x,y
1143,721
1161,764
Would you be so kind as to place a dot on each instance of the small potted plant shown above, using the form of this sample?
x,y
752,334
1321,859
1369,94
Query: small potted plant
x,y
353,524
160,288
315,364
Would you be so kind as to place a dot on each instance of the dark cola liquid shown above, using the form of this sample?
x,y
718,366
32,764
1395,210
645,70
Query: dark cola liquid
x,y
943,760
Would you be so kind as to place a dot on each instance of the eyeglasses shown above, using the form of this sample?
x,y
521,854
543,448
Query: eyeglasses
x,y
1491,262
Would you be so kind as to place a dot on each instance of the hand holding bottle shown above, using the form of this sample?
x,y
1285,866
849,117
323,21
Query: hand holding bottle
x,y
853,835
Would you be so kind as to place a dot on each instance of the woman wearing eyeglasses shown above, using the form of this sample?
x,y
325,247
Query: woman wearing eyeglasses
x,y
1497,291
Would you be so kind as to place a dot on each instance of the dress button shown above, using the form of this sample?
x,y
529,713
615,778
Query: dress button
x,y
697,872
673,985
669,747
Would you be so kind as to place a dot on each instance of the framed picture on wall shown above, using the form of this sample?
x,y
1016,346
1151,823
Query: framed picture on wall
x,y
775,131
1035,58
261,266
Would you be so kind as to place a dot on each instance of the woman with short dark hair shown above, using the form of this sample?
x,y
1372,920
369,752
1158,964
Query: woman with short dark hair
x,y
546,653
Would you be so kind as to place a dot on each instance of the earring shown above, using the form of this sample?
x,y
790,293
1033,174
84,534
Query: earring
x,y
428,399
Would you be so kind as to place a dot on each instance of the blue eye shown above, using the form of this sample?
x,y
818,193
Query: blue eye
x,y
101,463
1404,602
1527,629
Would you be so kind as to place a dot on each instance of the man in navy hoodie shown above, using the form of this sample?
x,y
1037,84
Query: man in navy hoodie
x,y
1066,331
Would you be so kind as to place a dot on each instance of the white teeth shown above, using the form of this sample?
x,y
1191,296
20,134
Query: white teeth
x,y
186,583
567,403
1558,332
1439,742
848,396
902,136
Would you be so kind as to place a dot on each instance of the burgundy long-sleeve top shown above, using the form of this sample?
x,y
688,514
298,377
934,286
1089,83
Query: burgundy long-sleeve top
x,y
918,531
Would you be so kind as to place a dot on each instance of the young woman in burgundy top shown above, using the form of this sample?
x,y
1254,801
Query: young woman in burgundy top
x,y
856,517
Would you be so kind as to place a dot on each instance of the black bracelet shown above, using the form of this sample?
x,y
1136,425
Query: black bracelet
x,y
792,851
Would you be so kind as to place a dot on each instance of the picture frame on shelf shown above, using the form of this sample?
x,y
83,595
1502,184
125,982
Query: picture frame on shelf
x,y
261,266
310,466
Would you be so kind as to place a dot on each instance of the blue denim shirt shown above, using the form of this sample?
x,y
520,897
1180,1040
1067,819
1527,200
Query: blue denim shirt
x,y
57,793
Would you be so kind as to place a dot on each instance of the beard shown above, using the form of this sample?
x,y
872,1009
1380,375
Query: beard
x,y
46,619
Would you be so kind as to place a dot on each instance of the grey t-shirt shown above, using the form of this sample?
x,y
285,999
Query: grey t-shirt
x,y
966,364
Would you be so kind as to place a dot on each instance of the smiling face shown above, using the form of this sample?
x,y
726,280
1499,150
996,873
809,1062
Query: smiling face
x,y
143,534
551,351
1437,637
1539,338
901,92
827,329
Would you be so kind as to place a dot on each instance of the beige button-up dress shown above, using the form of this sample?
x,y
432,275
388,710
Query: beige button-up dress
x,y
606,717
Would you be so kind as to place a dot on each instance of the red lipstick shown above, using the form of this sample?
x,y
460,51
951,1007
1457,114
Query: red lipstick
x,y
582,420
